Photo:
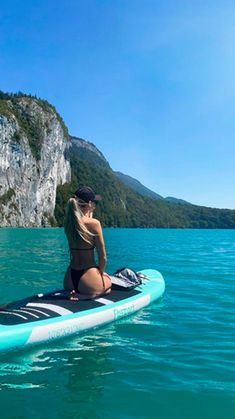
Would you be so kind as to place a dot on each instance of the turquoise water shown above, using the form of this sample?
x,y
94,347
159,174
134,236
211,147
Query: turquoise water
x,y
174,359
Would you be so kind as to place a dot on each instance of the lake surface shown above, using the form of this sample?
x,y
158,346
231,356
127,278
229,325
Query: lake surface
x,y
173,360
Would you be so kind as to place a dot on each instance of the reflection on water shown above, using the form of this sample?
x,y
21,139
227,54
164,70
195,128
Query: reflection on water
x,y
75,370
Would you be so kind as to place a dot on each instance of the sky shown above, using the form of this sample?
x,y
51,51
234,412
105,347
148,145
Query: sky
x,y
150,82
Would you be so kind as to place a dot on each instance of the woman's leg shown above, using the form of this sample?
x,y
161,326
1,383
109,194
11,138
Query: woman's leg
x,y
92,283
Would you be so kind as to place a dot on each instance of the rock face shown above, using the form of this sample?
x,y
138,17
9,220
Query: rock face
x,y
33,146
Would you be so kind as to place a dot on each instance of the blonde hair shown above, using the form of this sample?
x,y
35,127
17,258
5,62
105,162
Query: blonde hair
x,y
73,225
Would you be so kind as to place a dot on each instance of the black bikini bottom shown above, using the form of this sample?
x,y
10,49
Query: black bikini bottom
x,y
76,275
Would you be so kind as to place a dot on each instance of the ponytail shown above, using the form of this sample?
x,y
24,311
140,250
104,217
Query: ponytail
x,y
73,225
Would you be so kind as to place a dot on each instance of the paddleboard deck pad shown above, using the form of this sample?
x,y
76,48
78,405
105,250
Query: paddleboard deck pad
x,y
46,317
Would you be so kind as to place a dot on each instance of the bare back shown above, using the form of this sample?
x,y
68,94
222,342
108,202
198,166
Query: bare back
x,y
82,252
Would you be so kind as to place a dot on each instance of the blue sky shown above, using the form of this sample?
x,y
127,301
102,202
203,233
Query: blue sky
x,y
151,83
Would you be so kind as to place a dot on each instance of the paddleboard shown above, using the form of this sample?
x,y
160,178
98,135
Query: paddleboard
x,y
47,317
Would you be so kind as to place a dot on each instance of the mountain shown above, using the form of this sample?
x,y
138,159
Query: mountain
x,y
137,186
144,191
89,152
120,205
123,207
41,165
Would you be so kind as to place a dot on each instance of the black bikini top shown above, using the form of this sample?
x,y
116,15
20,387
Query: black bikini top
x,y
77,248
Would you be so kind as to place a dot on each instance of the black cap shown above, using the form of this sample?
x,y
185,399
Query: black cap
x,y
86,194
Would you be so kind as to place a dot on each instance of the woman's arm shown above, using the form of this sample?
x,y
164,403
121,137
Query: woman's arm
x,y
99,244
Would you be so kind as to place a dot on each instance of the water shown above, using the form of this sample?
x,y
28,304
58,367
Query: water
x,y
172,360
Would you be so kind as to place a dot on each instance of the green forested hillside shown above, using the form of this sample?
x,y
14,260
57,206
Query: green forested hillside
x,y
122,207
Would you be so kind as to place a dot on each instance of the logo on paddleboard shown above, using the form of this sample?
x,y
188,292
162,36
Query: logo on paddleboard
x,y
123,311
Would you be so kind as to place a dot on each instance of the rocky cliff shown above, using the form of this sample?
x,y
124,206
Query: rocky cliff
x,y
33,146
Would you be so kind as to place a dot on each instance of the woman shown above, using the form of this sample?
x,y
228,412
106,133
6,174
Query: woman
x,y
84,234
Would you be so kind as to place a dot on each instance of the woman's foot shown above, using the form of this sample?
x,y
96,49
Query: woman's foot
x,y
73,296
107,291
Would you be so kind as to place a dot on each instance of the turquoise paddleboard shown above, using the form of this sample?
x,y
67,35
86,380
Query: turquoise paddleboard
x,y
46,317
